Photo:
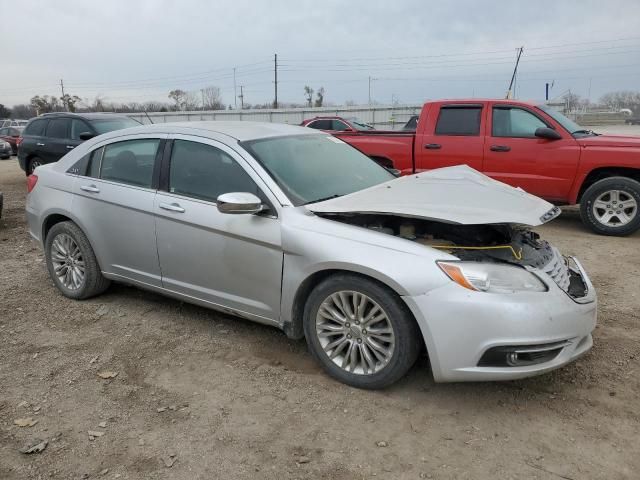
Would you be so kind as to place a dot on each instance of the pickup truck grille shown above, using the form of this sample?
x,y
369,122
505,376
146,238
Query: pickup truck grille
x,y
558,269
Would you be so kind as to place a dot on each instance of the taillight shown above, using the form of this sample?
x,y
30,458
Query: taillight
x,y
31,182
19,141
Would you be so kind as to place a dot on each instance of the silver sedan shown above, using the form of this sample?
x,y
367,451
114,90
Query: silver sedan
x,y
293,228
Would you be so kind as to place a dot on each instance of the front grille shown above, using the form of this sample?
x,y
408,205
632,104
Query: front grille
x,y
558,269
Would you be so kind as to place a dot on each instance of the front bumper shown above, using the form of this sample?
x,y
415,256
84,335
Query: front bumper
x,y
460,325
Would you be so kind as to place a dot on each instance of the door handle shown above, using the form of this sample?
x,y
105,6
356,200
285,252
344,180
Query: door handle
x,y
40,144
500,148
172,207
433,146
70,147
90,188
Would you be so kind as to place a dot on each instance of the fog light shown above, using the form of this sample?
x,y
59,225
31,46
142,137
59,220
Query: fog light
x,y
512,359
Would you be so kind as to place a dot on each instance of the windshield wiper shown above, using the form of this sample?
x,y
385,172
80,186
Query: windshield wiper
x,y
325,198
585,131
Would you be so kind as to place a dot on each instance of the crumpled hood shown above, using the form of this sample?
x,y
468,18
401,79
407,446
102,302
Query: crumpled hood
x,y
457,194
620,141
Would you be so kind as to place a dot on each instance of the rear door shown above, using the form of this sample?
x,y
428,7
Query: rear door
x,y
233,261
33,141
452,135
56,141
113,202
514,155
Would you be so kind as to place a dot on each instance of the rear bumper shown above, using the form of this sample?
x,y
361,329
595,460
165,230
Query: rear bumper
x,y
459,325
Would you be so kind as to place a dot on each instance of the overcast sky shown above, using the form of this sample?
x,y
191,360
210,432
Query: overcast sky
x,y
138,50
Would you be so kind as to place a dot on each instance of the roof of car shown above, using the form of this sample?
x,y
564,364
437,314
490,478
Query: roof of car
x,y
88,116
240,130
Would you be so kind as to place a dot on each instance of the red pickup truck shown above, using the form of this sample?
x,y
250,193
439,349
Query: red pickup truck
x,y
525,145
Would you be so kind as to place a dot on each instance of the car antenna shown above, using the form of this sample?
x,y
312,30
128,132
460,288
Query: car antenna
x,y
145,112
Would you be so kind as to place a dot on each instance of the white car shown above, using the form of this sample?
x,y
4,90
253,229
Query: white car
x,y
291,227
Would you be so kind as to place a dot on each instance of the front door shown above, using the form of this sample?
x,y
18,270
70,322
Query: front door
x,y
233,261
514,155
114,202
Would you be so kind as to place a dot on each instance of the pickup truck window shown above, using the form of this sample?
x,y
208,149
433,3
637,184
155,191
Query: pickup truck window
x,y
339,126
514,122
460,121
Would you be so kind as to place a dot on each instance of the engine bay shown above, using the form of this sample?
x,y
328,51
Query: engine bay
x,y
499,242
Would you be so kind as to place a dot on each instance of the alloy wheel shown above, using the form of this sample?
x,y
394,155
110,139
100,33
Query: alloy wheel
x,y
615,208
68,262
355,332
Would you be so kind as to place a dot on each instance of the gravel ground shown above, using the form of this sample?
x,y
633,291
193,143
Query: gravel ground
x,y
203,395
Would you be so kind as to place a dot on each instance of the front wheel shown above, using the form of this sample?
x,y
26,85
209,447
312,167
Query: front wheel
x,y
610,206
361,332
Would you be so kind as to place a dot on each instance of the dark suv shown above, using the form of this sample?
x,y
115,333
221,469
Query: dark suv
x,y
46,139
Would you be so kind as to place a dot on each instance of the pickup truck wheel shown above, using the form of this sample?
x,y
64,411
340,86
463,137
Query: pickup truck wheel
x,y
611,206
361,333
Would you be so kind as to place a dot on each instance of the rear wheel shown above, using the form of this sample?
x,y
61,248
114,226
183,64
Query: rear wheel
x,y
72,265
360,331
611,206
32,164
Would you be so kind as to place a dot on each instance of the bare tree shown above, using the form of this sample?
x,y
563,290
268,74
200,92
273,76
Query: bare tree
x,y
622,99
308,93
319,97
69,101
45,104
178,96
212,100
23,111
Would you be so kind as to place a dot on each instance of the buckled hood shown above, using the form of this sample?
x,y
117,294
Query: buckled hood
x,y
457,194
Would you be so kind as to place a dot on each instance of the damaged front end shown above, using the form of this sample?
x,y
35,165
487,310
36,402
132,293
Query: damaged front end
x,y
494,243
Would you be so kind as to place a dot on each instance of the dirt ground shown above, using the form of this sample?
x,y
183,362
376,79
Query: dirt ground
x,y
200,395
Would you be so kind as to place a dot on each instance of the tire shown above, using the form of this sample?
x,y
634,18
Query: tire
x,y
398,319
32,163
57,241
612,192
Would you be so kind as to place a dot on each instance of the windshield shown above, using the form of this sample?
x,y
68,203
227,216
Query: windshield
x,y
567,123
108,125
359,124
311,168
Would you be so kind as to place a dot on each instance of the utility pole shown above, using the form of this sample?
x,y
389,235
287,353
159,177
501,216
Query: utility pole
x,y
241,97
371,79
275,82
64,101
235,92
515,70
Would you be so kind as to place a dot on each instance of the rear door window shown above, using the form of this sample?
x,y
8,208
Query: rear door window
x,y
459,121
58,128
36,127
130,162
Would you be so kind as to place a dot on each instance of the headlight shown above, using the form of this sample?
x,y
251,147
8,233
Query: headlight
x,y
492,277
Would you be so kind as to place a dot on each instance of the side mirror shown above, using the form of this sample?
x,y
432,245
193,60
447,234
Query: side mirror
x,y
239,203
86,135
548,133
